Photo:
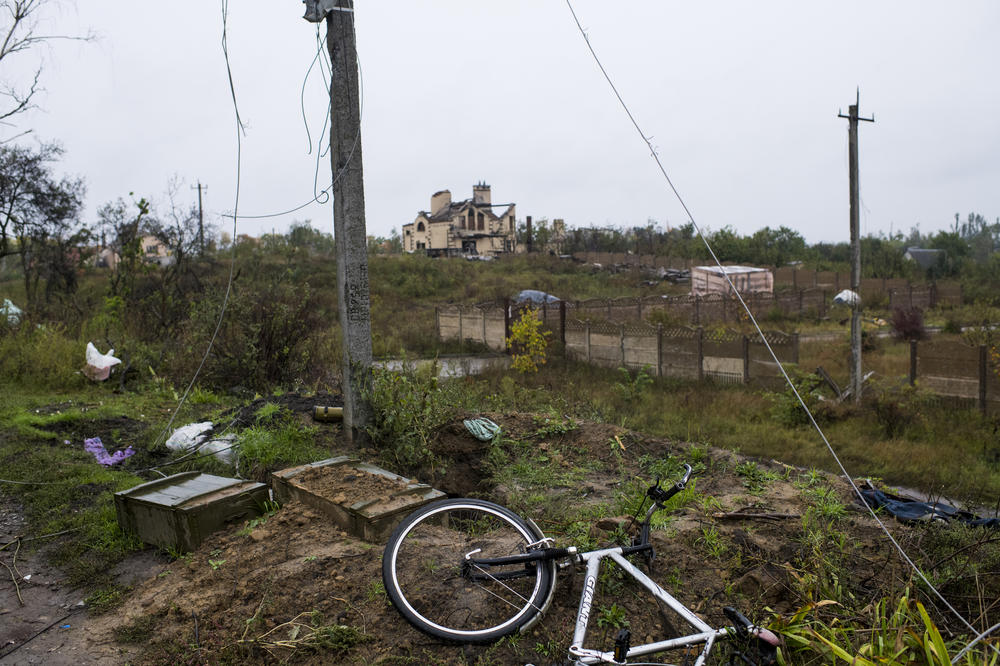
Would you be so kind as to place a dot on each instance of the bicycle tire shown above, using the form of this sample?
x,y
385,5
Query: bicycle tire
x,y
431,584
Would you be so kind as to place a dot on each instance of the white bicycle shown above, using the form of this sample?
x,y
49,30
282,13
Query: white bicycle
x,y
470,571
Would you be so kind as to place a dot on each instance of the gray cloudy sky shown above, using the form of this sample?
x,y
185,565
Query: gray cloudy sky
x,y
741,100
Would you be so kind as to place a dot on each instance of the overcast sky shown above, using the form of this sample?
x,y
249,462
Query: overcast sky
x,y
741,100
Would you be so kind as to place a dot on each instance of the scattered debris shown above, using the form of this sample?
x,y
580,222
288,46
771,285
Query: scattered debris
x,y
189,436
482,428
99,365
11,311
911,510
96,447
848,298
194,437
328,414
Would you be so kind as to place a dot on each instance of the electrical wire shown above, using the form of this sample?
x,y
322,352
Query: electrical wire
x,y
302,94
240,132
323,196
816,426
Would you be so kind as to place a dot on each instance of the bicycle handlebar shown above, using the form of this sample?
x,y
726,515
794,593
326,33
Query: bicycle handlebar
x,y
660,495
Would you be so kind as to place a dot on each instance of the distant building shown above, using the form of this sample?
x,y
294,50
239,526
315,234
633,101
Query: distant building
x,y
747,279
924,258
155,251
462,227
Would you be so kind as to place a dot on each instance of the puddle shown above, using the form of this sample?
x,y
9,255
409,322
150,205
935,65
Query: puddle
x,y
449,366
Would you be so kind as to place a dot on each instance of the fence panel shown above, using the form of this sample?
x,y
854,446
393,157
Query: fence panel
x,y
784,276
448,320
605,344
680,357
722,356
495,330
830,280
949,293
949,368
641,346
576,340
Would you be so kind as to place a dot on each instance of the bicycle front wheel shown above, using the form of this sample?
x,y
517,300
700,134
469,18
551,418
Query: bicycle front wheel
x,y
443,593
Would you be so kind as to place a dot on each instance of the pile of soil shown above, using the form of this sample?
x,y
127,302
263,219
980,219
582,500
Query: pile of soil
x,y
347,485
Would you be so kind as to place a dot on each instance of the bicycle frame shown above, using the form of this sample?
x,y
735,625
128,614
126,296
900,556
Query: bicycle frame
x,y
704,635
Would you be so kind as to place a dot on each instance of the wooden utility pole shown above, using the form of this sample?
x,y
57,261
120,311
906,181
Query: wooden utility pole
x,y
852,133
201,219
354,307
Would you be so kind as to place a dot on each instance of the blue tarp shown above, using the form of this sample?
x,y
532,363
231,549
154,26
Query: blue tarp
x,y
912,510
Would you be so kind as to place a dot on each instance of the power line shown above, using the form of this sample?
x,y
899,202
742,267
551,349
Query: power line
x,y
323,196
850,480
240,131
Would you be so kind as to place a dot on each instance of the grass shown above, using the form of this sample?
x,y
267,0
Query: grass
x,y
940,449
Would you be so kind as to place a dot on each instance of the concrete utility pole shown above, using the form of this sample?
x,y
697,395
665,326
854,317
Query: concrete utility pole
x,y
348,211
201,219
852,133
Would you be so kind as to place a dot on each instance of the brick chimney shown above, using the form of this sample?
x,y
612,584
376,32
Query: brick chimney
x,y
439,200
481,193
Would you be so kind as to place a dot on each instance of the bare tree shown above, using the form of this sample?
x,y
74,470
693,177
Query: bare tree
x,y
19,29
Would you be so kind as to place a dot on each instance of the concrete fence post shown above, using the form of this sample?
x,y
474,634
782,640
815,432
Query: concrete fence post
x,y
913,362
621,342
506,324
562,322
701,353
746,359
659,350
982,378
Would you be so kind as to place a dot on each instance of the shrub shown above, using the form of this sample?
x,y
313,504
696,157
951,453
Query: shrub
x,y
272,334
908,324
896,408
786,408
41,357
528,342
408,406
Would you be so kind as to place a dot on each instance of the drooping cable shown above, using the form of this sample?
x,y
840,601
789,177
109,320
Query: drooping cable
x,y
323,196
760,332
302,94
240,131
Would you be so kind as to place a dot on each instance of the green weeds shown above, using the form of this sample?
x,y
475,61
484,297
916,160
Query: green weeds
x,y
755,478
263,449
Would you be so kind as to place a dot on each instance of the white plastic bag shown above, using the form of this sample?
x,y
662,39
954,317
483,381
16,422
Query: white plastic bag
x,y
11,311
847,297
188,437
99,365
221,448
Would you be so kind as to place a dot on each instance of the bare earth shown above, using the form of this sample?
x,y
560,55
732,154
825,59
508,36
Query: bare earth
x,y
244,591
